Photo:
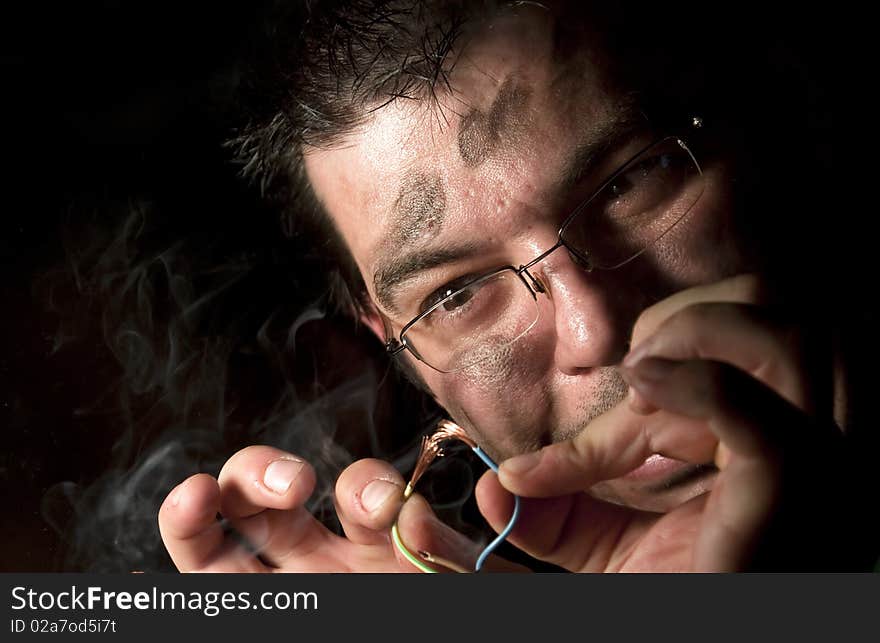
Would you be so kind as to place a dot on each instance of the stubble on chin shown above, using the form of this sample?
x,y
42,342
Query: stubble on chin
x,y
608,391
495,378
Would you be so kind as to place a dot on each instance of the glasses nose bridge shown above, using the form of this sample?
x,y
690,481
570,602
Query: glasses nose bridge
x,y
537,285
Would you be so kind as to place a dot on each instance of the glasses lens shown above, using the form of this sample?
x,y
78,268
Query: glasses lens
x,y
637,206
475,323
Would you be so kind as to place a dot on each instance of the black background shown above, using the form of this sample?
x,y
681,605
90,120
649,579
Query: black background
x,y
106,104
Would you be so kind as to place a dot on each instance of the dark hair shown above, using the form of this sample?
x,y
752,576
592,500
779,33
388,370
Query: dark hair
x,y
325,65
322,69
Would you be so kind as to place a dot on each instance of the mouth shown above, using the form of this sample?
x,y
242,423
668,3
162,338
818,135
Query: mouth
x,y
659,485
659,473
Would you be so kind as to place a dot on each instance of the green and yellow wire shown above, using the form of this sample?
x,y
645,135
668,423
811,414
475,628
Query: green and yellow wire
x,y
401,547
420,561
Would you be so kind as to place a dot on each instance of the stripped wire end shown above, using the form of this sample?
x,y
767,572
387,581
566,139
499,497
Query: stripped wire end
x,y
443,562
449,430
432,446
431,449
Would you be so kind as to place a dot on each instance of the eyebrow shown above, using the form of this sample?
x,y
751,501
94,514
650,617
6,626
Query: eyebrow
x,y
603,141
402,268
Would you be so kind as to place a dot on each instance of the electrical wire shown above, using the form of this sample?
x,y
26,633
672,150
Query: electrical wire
x,y
431,449
510,523
411,557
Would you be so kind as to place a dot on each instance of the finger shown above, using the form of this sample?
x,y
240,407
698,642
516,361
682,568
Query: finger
x,y
574,531
742,335
191,533
746,415
261,477
771,441
369,495
263,492
611,446
738,509
422,531
744,289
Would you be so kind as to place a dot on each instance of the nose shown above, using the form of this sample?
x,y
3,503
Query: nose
x,y
589,328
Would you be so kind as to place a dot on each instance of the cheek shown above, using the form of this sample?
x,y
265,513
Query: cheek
x,y
703,246
492,372
500,396
503,371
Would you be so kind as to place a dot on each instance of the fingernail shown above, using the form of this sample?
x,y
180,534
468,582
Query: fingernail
x,y
653,369
376,493
279,475
522,463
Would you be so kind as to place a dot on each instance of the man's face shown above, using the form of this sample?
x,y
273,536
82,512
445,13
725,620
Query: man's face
x,y
429,194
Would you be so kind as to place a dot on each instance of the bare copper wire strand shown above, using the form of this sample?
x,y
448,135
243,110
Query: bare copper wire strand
x,y
432,447
444,562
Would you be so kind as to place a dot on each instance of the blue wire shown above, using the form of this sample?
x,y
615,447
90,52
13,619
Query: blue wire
x,y
506,532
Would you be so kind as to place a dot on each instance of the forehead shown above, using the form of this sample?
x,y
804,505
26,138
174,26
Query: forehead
x,y
416,172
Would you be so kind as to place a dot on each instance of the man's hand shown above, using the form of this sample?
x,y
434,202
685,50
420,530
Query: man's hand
x,y
261,492
713,379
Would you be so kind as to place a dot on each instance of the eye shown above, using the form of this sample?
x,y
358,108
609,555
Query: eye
x,y
641,186
639,174
462,309
447,289
459,300
619,187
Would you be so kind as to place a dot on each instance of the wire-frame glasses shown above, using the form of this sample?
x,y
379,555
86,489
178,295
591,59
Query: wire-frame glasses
x,y
626,215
